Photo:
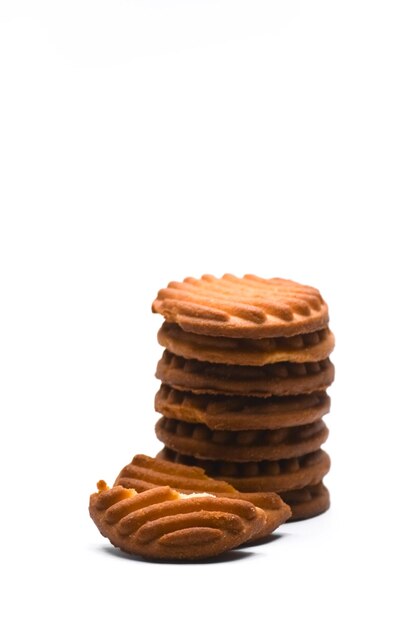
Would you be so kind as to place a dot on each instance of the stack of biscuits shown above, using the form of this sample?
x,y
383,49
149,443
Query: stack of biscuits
x,y
244,377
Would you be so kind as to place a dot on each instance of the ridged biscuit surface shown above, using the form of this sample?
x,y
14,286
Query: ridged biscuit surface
x,y
242,307
145,472
161,523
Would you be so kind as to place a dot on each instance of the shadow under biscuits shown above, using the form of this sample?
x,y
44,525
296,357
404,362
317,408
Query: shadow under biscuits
x,y
262,541
231,555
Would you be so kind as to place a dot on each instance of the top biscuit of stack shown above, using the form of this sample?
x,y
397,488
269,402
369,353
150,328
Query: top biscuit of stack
x,y
248,307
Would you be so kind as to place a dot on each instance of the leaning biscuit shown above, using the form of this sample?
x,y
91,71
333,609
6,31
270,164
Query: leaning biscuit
x,y
277,379
305,348
145,472
242,307
162,523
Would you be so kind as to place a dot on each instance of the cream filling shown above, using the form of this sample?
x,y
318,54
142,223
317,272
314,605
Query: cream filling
x,y
195,495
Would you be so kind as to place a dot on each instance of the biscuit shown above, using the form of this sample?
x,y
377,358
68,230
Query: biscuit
x,y
278,379
314,346
308,502
162,523
242,307
145,473
279,476
241,412
198,441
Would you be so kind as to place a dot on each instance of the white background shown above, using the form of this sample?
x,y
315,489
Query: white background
x,y
142,141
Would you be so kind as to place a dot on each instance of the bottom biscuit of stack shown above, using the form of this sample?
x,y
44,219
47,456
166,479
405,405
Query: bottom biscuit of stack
x,y
255,444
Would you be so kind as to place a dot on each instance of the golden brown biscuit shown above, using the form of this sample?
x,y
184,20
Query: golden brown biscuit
x,y
162,523
198,441
279,476
145,473
241,412
278,379
242,307
308,502
314,346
